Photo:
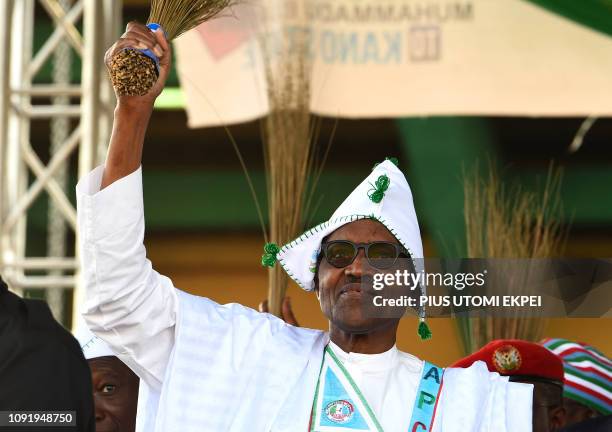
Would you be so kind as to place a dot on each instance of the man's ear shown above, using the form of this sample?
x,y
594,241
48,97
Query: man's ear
x,y
556,418
316,278
316,284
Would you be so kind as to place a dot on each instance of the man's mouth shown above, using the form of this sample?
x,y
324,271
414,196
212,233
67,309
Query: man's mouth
x,y
351,289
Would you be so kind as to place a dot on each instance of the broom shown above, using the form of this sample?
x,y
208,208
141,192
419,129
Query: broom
x,y
289,135
135,71
504,222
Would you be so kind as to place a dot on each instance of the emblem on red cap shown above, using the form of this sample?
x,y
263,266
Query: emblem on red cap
x,y
506,359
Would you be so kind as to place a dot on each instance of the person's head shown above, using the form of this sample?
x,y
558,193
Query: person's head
x,y
114,385
115,393
587,378
336,258
529,363
343,284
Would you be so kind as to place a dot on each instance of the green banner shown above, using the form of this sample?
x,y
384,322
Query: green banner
x,y
595,14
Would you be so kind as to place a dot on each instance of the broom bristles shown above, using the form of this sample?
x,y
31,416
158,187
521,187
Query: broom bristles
x,y
289,135
178,16
503,223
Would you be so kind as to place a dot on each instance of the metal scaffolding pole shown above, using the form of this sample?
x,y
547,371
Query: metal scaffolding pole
x,y
6,13
15,173
60,128
23,175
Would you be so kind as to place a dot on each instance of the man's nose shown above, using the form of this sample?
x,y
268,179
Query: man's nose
x,y
356,268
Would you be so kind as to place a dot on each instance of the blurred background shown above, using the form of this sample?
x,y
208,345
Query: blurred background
x,y
202,227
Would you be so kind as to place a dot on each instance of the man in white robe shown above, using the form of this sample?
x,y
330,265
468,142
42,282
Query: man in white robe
x,y
210,367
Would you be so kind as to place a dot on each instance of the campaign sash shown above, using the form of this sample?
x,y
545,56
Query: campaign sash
x,y
339,405
426,400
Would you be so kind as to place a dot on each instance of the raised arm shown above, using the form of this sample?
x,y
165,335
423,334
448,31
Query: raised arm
x,y
133,112
127,303
136,310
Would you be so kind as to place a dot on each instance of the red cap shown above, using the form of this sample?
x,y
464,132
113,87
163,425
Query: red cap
x,y
517,358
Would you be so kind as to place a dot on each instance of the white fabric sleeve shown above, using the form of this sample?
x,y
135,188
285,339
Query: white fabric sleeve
x,y
476,400
463,399
519,407
493,418
127,303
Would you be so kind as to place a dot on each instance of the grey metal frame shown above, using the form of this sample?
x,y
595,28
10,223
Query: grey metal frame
x,y
18,67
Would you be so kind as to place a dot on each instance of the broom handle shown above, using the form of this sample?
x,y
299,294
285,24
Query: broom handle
x,y
148,52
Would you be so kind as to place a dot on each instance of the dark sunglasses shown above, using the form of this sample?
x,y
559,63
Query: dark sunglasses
x,y
380,255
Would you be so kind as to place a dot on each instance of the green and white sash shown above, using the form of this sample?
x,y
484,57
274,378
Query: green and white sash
x,y
339,405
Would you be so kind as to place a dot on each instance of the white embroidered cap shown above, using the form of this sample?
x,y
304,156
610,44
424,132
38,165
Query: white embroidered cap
x,y
393,207
91,344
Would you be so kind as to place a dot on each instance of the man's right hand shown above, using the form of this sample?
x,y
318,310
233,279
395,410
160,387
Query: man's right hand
x,y
286,311
139,36
132,113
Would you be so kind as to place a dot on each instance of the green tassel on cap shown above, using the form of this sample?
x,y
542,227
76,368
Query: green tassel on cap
x,y
268,259
394,160
423,331
379,187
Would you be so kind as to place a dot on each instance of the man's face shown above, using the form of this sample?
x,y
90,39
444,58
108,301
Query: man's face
x,y
340,291
115,391
548,411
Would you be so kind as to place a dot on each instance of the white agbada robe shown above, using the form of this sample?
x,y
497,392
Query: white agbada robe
x,y
210,367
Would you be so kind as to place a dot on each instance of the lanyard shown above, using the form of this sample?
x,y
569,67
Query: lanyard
x,y
339,405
